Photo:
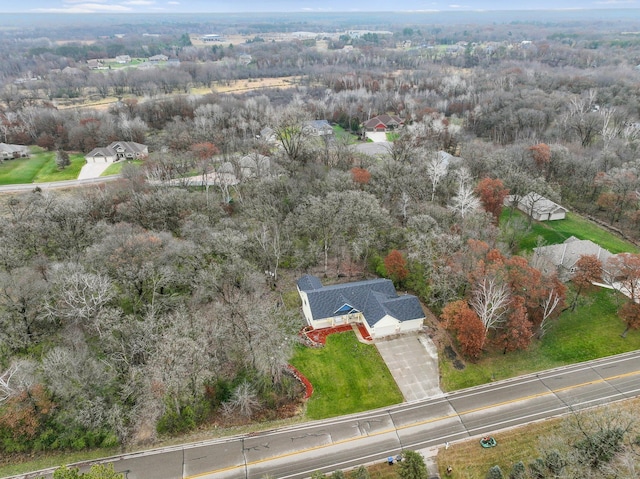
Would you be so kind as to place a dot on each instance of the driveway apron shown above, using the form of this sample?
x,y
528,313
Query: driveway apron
x,y
413,362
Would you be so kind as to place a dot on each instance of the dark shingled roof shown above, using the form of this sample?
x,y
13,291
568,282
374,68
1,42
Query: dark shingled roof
x,y
373,298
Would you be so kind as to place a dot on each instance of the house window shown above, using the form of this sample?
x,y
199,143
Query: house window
x,y
345,309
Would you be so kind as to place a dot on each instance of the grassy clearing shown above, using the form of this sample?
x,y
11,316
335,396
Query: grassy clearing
x,y
116,168
555,232
254,84
392,136
470,461
341,133
50,172
40,168
347,377
591,331
55,459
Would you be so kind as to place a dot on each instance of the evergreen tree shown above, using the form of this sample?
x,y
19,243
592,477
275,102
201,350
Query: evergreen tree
x,y
412,466
495,473
62,159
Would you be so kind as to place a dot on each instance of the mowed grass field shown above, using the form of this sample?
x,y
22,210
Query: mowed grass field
x,y
555,232
40,168
347,377
591,331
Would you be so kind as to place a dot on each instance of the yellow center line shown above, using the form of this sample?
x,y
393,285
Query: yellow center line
x,y
419,423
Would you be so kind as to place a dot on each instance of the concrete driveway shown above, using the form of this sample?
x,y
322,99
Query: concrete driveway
x,y
376,136
413,362
92,170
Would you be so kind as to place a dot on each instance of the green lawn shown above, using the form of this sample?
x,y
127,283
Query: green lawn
x,y
591,331
392,136
116,168
40,168
555,232
347,377
342,133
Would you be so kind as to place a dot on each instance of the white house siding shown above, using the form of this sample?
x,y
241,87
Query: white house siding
x,y
306,309
385,327
389,325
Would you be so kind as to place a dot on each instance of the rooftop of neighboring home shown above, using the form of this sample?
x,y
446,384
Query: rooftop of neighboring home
x,y
568,253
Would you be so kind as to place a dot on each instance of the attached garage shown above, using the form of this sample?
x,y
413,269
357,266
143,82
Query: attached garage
x,y
374,303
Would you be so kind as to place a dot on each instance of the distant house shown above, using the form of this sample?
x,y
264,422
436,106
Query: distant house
x,y
268,134
374,303
212,37
72,71
9,152
317,128
158,58
562,258
538,207
116,151
94,64
383,123
244,58
250,166
122,59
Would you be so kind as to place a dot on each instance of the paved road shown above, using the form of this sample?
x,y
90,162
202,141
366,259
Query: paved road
x,y
57,184
340,443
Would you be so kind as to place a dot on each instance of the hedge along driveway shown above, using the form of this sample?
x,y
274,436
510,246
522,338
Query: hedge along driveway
x,y
347,377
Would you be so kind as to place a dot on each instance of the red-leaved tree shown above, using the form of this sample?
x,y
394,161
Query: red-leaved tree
x,y
517,332
492,194
470,331
396,266
360,176
588,270
204,150
630,314
541,154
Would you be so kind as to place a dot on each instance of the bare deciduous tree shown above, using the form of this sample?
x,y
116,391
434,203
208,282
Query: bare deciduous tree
x,y
490,300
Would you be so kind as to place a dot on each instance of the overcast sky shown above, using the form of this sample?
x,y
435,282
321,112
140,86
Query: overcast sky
x,y
231,6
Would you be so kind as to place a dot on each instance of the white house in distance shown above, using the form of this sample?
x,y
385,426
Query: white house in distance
x,y
374,303
9,152
538,207
116,151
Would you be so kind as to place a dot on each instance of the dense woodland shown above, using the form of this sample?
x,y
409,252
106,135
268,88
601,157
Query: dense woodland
x,y
133,309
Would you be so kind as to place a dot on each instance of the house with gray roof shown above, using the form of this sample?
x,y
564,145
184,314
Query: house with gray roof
x,y
158,58
253,165
9,151
538,207
563,257
374,303
317,128
116,151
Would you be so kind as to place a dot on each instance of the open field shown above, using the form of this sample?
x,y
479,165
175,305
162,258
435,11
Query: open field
x,y
234,86
231,86
555,232
470,461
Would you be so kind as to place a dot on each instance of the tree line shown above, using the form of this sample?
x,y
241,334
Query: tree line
x,y
135,308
